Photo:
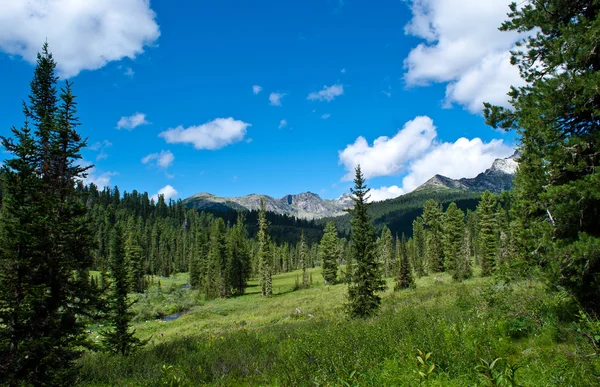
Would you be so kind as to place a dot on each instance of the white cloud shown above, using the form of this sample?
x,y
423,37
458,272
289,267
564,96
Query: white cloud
x,y
328,93
101,180
132,122
388,156
326,116
167,192
384,193
463,158
275,98
83,35
414,150
343,71
283,124
100,147
162,160
129,72
256,89
463,49
212,135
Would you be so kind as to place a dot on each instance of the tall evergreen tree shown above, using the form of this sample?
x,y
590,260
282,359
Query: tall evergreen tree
x,y
239,266
432,221
453,237
329,253
488,232
366,280
386,250
557,116
404,278
420,256
303,255
119,338
46,241
264,253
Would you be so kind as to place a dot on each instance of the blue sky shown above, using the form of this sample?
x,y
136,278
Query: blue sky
x,y
167,94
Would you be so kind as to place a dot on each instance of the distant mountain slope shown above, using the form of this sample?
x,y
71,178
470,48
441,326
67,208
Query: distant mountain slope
x,y
393,212
496,179
306,205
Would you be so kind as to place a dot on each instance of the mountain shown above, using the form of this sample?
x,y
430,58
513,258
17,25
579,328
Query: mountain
x,y
309,205
496,179
305,205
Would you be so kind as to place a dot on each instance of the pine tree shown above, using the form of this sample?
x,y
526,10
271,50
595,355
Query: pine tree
x,y
264,253
366,280
420,260
303,255
46,241
404,278
386,250
119,338
239,267
453,238
557,185
329,253
432,221
488,232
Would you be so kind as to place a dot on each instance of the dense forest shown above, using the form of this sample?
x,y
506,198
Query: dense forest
x,y
74,259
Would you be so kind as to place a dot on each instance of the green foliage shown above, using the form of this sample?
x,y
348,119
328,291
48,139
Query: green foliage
x,y
404,278
366,279
265,255
303,257
488,233
119,338
556,114
453,238
433,222
45,239
330,251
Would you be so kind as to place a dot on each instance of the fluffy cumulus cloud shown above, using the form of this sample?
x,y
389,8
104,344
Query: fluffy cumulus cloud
x,y
462,158
83,35
384,193
212,135
162,160
414,151
275,98
328,93
132,122
283,124
167,192
256,89
100,179
388,156
463,49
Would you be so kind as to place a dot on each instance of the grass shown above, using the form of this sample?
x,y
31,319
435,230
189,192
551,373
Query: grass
x,y
304,338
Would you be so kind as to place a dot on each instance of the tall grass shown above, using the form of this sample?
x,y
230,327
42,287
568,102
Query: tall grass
x,y
465,327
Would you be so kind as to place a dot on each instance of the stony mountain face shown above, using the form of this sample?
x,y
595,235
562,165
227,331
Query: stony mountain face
x,y
309,205
306,205
496,179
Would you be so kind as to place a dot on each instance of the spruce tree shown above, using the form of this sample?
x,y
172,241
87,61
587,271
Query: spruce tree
x,y
239,267
366,279
556,114
432,222
119,338
45,239
404,278
420,256
303,255
329,253
386,250
488,233
453,238
264,253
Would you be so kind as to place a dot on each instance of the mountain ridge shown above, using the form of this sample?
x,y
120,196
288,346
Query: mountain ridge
x,y
309,205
